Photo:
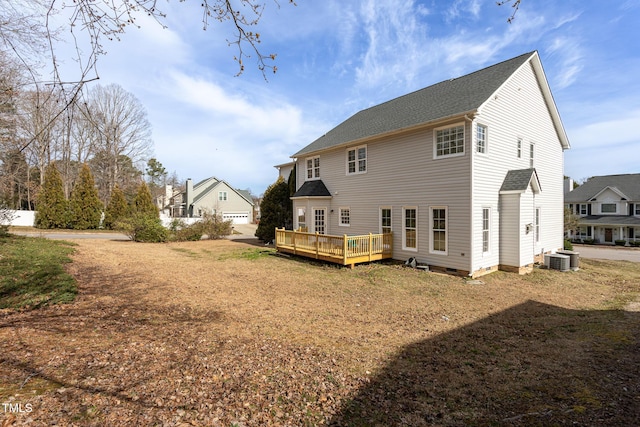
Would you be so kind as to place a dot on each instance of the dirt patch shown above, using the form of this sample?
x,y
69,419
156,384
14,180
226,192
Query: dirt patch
x,y
214,333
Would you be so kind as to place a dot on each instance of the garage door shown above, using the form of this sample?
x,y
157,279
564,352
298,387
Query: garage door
x,y
236,217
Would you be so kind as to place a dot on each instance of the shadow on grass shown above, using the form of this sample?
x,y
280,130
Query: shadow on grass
x,y
533,364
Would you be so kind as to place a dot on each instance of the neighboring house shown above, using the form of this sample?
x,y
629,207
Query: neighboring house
x,y
214,196
285,169
467,174
608,208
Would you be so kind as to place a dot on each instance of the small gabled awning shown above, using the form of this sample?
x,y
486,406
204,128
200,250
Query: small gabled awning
x,y
517,181
315,188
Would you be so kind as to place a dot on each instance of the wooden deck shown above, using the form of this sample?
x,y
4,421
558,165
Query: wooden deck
x,y
345,250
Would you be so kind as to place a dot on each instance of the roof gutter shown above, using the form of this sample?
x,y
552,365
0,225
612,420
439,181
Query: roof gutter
x,y
373,138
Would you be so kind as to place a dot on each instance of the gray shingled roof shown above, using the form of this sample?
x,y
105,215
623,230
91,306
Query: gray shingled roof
x,y
519,180
627,220
628,184
445,99
315,188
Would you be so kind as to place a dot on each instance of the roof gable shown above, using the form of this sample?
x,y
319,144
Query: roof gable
x,y
447,99
517,181
626,184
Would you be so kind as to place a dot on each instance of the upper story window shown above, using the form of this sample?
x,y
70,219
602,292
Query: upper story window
x,y
637,206
222,196
531,152
357,160
519,148
582,209
449,141
313,168
608,208
481,138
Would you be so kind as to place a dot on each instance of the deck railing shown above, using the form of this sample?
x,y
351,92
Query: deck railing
x,y
345,250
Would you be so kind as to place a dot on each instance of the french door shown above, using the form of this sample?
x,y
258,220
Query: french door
x,y
320,215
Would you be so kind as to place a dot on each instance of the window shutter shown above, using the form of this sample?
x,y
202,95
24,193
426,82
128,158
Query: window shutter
x,y
631,206
589,209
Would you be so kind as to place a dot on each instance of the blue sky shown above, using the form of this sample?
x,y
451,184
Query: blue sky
x,y
335,58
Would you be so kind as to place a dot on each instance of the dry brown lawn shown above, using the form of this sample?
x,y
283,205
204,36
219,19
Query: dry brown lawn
x,y
223,333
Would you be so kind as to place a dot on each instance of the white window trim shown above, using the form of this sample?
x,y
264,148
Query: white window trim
x,y
313,212
340,223
488,230
313,168
390,217
537,224
404,228
636,209
223,196
357,161
486,139
435,141
519,148
303,209
446,230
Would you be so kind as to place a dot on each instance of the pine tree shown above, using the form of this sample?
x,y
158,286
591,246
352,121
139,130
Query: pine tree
x,y
143,202
52,207
85,207
275,210
117,209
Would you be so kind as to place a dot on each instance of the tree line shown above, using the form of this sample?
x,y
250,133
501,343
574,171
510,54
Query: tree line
x,y
106,129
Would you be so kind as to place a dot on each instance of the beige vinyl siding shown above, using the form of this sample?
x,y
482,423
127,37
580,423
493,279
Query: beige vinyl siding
x,y
509,229
234,203
401,171
518,110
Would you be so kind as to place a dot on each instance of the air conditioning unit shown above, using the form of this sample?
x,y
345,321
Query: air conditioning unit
x,y
558,262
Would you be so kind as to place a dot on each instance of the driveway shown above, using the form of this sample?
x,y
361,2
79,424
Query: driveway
x,y
608,252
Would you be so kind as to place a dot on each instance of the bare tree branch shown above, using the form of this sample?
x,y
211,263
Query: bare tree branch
x,y
515,6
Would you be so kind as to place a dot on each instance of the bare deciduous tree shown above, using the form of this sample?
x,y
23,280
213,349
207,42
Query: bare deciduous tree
x,y
119,128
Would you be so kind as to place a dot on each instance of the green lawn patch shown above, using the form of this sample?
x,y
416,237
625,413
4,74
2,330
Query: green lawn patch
x,y
32,272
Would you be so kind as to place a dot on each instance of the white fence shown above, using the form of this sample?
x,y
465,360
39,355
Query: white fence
x,y
27,219
22,218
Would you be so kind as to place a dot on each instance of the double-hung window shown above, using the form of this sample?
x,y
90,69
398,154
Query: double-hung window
x,y
486,213
222,196
302,219
439,230
410,229
449,141
531,152
345,217
519,148
357,160
637,208
313,168
481,138
537,225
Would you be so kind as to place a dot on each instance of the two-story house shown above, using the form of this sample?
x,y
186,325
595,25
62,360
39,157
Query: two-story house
x,y
213,196
608,208
466,174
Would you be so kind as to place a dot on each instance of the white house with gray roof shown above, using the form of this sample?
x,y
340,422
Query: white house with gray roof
x,y
608,208
214,196
467,174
